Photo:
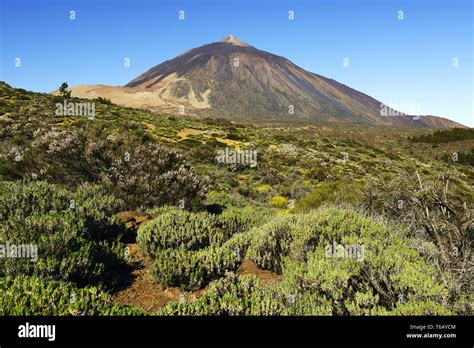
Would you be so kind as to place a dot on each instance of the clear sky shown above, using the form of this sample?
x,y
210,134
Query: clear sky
x,y
407,61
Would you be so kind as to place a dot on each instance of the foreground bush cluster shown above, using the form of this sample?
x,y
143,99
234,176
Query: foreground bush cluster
x,y
191,249
390,277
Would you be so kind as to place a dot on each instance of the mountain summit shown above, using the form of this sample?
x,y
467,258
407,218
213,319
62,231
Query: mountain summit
x,y
234,41
234,80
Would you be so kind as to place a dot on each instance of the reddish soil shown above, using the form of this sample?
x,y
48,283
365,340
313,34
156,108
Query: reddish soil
x,y
134,219
265,277
145,292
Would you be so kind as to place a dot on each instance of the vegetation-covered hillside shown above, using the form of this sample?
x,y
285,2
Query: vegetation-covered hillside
x,y
136,213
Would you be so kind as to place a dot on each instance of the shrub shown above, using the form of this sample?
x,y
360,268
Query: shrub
x,y
229,296
244,295
178,228
190,249
105,101
175,228
193,269
390,278
319,173
234,220
140,173
330,192
149,174
270,243
225,199
464,157
278,202
24,295
177,267
76,233
296,246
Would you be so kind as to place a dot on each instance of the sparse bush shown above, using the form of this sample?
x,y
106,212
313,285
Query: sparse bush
x,y
319,173
105,101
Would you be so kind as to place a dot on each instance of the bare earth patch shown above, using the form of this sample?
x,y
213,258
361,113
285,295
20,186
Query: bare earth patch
x,y
265,277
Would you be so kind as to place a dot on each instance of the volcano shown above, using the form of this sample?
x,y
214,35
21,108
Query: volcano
x,y
231,79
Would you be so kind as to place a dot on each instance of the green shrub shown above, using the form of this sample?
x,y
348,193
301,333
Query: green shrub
x,y
271,242
330,192
193,269
76,233
234,220
225,199
22,295
386,270
179,228
278,202
244,295
191,249
178,267
229,296
137,171
389,278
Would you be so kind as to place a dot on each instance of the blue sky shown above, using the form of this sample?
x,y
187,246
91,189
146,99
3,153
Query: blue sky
x,y
406,61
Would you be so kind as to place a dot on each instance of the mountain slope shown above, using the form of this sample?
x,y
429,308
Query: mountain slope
x,y
234,80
